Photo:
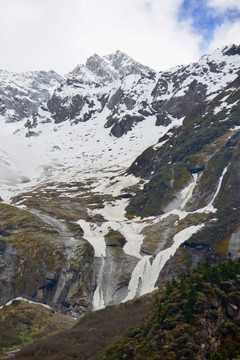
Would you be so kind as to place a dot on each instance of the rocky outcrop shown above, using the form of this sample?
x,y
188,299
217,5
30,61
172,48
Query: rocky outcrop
x,y
22,93
108,68
42,260
233,50
125,125
180,106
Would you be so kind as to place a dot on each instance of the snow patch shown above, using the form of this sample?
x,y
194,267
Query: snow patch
x,y
29,301
146,272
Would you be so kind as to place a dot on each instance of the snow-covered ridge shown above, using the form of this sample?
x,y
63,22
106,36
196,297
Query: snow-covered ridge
x,y
107,68
126,93
22,93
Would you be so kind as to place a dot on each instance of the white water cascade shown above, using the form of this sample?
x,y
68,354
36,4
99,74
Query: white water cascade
x,y
147,270
98,299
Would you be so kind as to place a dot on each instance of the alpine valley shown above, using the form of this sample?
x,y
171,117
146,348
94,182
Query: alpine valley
x,y
116,181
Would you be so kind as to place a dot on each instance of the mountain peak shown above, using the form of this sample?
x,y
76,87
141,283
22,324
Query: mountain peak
x,y
108,68
125,64
120,53
117,55
231,50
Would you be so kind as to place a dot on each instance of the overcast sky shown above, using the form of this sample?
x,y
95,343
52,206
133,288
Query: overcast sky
x,y
59,34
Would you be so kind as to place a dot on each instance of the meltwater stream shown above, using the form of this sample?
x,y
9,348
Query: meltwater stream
x,y
147,269
146,272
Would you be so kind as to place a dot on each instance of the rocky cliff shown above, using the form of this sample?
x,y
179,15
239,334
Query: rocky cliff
x,y
22,93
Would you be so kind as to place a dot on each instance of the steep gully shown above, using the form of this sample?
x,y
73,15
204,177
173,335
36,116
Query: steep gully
x,y
70,245
146,272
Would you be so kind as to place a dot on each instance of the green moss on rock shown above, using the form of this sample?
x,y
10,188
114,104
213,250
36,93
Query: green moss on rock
x,y
115,238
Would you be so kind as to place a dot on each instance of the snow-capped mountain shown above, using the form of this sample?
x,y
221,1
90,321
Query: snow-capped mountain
x,y
116,176
108,68
22,93
128,93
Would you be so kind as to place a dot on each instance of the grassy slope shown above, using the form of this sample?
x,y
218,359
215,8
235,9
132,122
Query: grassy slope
x,y
22,323
92,334
197,318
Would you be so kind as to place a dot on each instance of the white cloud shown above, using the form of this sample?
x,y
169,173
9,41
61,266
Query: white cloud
x,y
225,34
228,32
223,5
58,34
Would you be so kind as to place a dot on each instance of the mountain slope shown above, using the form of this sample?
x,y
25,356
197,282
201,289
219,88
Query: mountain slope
x,y
22,93
92,334
133,174
126,93
197,318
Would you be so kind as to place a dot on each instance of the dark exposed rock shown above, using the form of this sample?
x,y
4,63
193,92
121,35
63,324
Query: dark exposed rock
x,y
32,133
115,99
2,244
126,124
160,89
181,106
76,106
103,99
196,170
18,109
215,68
129,102
57,109
163,138
115,238
163,119
234,50
144,113
157,105
111,120
38,265
117,268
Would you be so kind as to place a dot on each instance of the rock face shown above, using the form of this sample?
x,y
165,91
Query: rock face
x,y
108,68
42,260
22,93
